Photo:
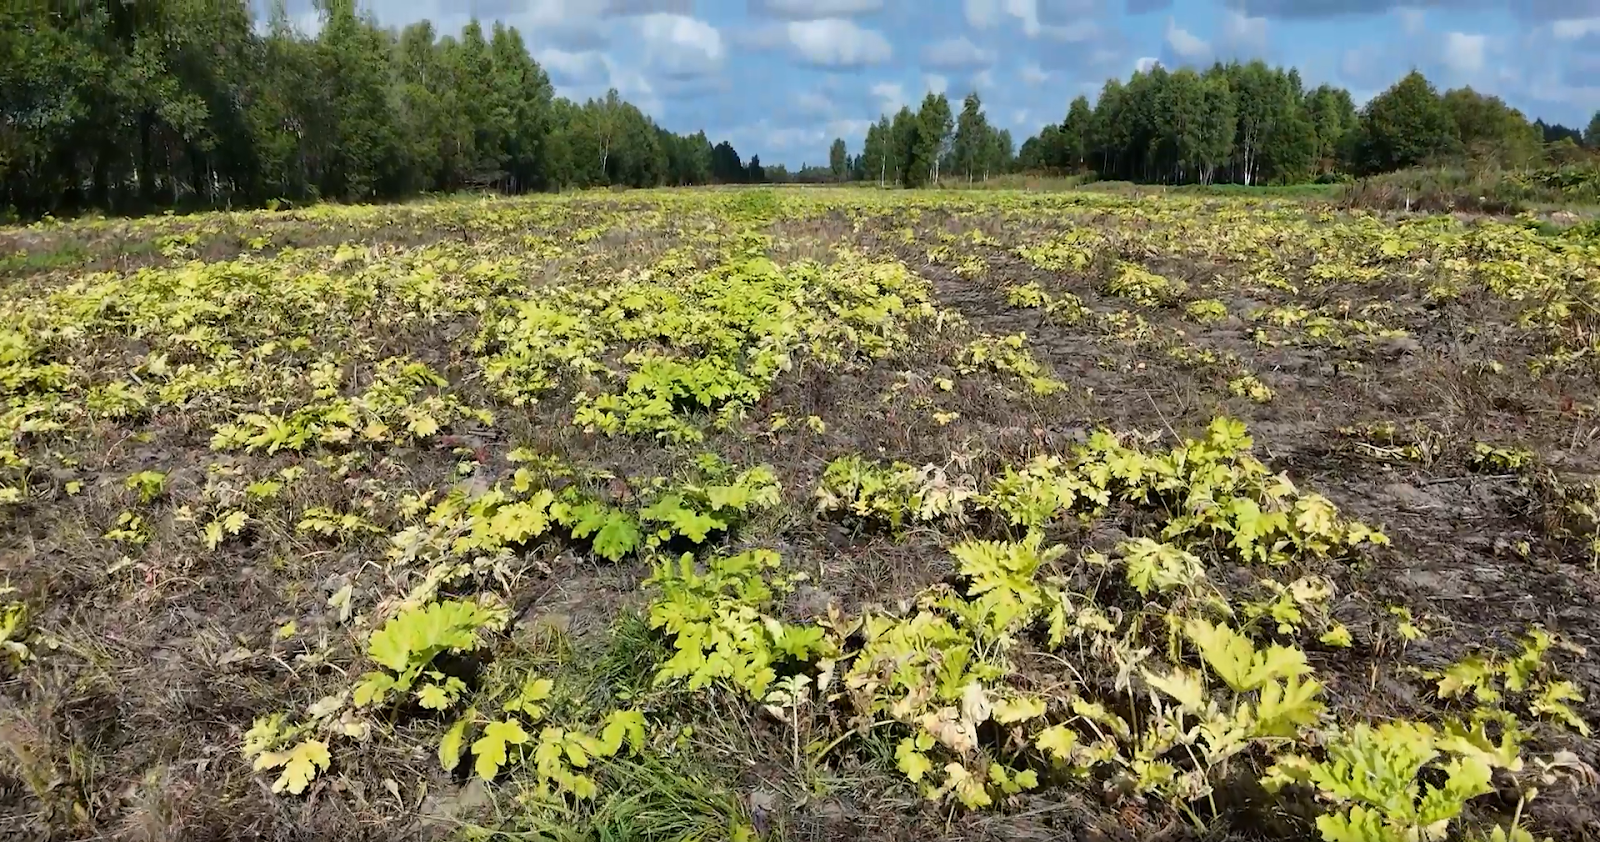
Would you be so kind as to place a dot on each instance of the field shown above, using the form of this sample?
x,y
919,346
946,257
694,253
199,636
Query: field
x,y
812,514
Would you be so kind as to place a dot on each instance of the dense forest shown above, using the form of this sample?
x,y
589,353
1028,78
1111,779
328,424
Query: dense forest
x,y
130,107
127,107
1238,123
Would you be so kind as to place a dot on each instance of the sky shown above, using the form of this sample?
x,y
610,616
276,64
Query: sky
x,y
782,78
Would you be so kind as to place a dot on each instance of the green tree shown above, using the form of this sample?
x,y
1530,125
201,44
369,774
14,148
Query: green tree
x,y
1592,134
1404,126
1333,120
1491,131
839,160
1111,132
1216,128
933,125
726,165
903,134
519,104
877,153
362,146
1077,133
971,146
1273,141
998,153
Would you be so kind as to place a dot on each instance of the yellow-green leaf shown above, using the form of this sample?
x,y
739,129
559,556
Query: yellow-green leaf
x,y
300,765
489,750
913,763
450,745
1058,741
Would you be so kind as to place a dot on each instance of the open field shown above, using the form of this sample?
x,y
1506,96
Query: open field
x,y
821,514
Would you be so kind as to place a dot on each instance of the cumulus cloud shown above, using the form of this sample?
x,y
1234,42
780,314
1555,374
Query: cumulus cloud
x,y
1242,33
1033,75
1314,8
681,46
1144,64
1573,29
1078,32
956,53
837,42
1463,52
814,9
890,95
623,8
935,84
1367,66
583,75
803,141
1412,21
813,103
1185,44
985,14
574,69
1063,12
1541,10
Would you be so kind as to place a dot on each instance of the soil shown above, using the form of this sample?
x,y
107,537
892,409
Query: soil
x,y
147,670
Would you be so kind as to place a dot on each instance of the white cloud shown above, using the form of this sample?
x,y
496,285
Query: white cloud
x,y
1412,21
575,69
1026,11
1184,43
1144,64
814,9
635,87
585,75
953,53
806,144
983,79
542,12
891,95
678,45
1463,52
813,103
1076,32
983,14
935,83
1574,28
1550,87
1242,32
1366,67
853,131
838,42
1033,75
308,23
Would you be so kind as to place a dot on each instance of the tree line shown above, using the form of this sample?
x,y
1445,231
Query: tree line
x,y
917,148
1238,123
128,107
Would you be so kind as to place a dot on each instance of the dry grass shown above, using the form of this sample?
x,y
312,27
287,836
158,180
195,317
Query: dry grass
x,y
149,663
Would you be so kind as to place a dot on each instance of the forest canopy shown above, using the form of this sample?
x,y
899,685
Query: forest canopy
x,y
132,106
1238,123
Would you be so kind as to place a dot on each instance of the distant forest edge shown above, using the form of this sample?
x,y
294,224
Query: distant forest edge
x,y
129,107
134,107
1235,123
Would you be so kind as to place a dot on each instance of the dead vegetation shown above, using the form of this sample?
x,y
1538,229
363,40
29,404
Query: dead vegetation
x,y
809,515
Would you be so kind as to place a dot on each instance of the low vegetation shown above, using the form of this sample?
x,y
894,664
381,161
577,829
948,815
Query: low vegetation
x,y
800,514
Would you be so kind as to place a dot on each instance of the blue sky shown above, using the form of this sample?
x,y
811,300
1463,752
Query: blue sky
x,y
782,78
